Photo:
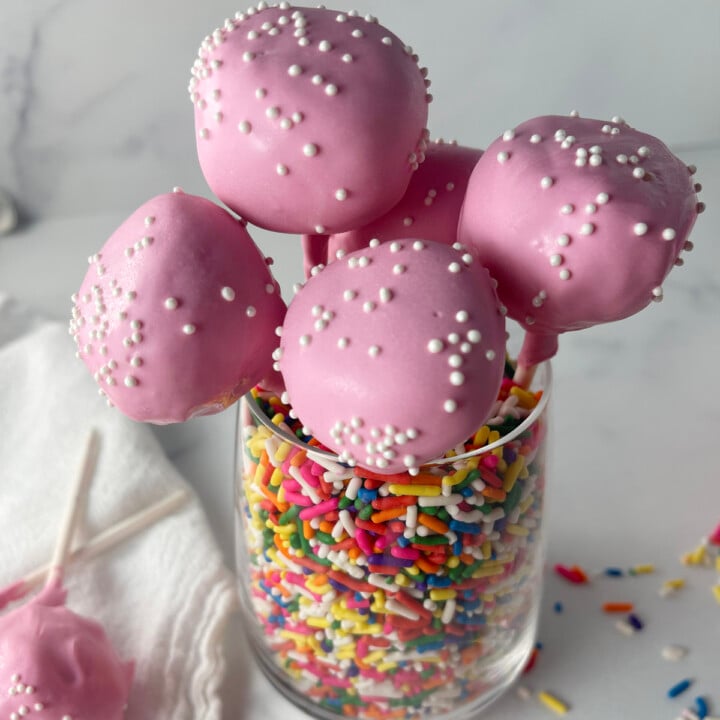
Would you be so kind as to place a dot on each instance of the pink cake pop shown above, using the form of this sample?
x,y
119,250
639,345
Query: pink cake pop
x,y
54,663
430,207
308,120
579,221
176,315
407,343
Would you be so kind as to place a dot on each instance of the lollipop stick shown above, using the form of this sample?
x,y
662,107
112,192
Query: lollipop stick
x,y
101,543
315,251
536,348
72,515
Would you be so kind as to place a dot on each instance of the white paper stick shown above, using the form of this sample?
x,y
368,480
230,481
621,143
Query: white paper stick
x,y
75,504
114,535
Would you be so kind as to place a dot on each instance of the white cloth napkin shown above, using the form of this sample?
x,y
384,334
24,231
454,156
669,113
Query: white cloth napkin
x,y
163,596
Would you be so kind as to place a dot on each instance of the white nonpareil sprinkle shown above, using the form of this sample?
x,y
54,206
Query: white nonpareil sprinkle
x,y
228,294
503,157
668,234
640,228
450,406
171,303
546,182
189,329
435,345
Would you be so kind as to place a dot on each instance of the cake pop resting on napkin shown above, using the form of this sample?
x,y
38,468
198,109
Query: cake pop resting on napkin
x,y
578,220
308,120
53,661
176,315
394,354
430,207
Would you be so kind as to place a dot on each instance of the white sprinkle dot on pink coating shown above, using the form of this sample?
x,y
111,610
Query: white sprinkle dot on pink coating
x,y
587,229
171,303
640,228
546,182
189,329
668,234
450,406
227,294
567,209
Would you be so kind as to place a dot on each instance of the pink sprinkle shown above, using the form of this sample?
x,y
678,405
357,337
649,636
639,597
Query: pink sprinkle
x,y
362,647
490,461
406,553
364,541
297,499
319,509
715,536
308,476
316,468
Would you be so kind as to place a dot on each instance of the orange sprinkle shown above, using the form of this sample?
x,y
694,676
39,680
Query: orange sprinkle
x,y
580,573
618,607
308,530
326,527
467,559
390,514
281,506
298,458
433,523
354,553
494,493
426,566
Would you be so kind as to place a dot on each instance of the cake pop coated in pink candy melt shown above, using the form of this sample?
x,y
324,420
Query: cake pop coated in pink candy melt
x,y
430,207
308,120
579,221
57,665
176,315
394,354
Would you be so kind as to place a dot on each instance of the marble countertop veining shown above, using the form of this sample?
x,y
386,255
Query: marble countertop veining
x,y
633,477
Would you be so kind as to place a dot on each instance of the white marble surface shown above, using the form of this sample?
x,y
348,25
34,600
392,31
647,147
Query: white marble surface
x,y
95,115
96,119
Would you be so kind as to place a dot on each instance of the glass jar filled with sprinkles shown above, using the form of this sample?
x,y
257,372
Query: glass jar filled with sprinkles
x,y
392,596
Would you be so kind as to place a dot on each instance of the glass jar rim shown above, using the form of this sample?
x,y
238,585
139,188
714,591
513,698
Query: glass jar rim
x,y
544,371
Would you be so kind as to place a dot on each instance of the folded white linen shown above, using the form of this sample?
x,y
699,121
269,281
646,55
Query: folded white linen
x,y
163,596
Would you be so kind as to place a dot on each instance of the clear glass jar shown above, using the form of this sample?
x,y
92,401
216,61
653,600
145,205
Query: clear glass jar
x,y
401,596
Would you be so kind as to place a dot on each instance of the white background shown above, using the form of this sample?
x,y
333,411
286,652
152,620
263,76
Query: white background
x,y
95,119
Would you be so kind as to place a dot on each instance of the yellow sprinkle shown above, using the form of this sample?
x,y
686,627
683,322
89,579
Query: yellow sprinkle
x,y
517,530
717,563
642,569
695,557
512,473
373,657
318,622
526,503
374,629
382,667
281,494
298,637
259,472
525,398
457,478
403,580
716,592
488,572
254,392
453,562
419,490
553,703
481,436
277,477
282,452
442,594
486,549
674,583
412,570
278,418
493,436
379,596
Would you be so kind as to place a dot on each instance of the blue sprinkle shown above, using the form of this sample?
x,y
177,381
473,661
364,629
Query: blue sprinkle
x,y
635,621
458,547
679,688
471,528
402,541
367,495
701,708
558,607
539,645
439,581
466,492
431,646
614,572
